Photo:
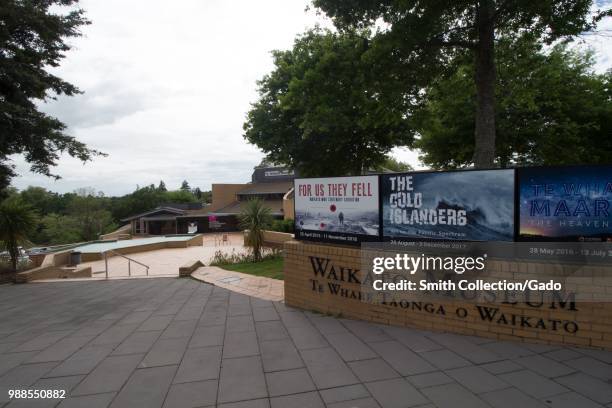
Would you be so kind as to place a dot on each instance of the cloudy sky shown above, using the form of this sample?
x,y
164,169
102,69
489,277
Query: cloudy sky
x,y
167,86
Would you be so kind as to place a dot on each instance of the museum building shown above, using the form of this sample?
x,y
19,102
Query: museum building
x,y
273,185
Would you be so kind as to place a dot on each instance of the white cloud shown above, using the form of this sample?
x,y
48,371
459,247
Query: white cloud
x,y
167,86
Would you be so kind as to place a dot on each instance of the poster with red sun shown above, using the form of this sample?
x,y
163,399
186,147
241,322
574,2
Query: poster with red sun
x,y
337,209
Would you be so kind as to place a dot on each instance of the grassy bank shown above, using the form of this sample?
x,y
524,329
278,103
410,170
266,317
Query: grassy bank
x,y
270,268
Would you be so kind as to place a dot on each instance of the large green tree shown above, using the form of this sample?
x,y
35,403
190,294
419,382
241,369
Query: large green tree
x,y
91,216
551,108
326,109
85,214
33,37
421,36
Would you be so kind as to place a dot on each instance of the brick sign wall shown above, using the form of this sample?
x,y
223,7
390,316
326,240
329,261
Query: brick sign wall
x,y
326,278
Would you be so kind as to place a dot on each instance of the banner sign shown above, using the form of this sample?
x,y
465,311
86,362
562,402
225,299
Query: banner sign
x,y
337,209
565,203
458,205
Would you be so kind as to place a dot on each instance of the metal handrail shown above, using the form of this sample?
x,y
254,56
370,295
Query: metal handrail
x,y
130,260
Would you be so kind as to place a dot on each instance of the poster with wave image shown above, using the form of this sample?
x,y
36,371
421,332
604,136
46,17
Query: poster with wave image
x,y
476,205
337,209
566,203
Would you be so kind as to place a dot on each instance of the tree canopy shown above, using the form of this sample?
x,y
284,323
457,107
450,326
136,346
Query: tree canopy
x,y
33,38
85,214
551,108
322,111
422,37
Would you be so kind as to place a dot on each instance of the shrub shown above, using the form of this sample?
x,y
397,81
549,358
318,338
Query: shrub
x,y
282,226
224,258
255,217
17,221
23,264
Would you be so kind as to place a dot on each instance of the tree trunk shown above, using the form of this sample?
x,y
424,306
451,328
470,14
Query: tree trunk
x,y
14,258
484,148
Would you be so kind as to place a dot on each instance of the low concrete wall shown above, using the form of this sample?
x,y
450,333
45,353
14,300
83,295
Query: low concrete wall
x,y
37,259
196,240
188,268
273,239
276,239
561,322
56,258
123,232
52,272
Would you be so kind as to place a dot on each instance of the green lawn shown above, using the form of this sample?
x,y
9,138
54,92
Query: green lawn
x,y
271,268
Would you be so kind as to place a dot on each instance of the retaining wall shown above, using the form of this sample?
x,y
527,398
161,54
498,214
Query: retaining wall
x,y
556,322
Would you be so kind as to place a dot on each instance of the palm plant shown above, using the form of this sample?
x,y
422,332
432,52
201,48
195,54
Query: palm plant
x,y
17,220
255,217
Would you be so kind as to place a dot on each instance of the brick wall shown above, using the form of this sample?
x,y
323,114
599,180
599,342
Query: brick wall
x,y
582,323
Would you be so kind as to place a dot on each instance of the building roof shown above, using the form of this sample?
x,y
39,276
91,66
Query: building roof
x,y
170,210
267,188
195,213
237,206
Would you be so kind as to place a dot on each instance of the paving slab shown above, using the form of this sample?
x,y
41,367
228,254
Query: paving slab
x,y
147,387
110,375
453,396
306,337
545,366
257,403
178,342
500,367
430,379
137,342
202,363
571,400
241,344
206,336
396,393
165,352
327,368
61,350
350,347
192,394
445,359
89,401
279,355
360,403
264,314
477,379
591,366
533,383
304,400
598,390
242,379
511,398
401,358
81,362
271,330
289,382
373,370
345,393
415,340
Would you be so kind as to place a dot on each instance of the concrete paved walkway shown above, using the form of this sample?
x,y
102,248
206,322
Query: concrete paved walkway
x,y
256,286
181,343
164,262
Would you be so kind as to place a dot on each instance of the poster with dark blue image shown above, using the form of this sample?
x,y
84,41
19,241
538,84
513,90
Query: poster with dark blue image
x,y
565,203
460,205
